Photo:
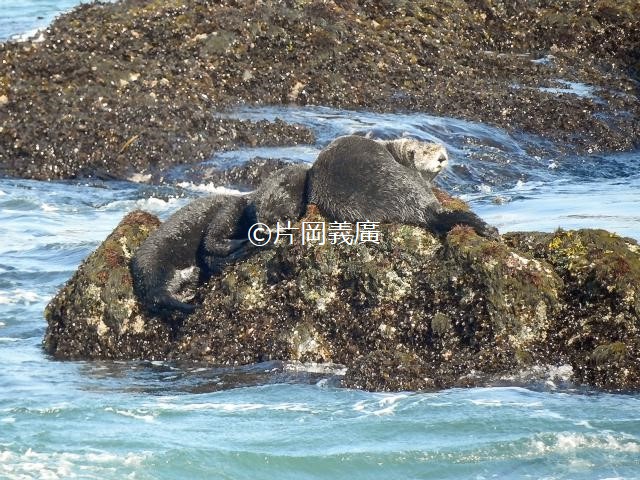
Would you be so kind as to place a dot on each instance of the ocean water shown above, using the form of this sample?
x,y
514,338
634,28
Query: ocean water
x,y
154,420
22,18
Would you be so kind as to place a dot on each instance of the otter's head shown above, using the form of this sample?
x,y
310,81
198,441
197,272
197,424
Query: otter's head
x,y
428,158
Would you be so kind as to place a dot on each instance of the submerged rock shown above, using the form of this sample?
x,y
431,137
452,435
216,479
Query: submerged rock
x,y
412,312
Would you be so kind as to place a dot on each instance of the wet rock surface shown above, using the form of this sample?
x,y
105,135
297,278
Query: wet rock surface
x,y
601,302
96,314
114,90
412,312
247,177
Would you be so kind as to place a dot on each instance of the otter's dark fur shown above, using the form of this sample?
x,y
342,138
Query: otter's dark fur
x,y
282,196
359,179
198,239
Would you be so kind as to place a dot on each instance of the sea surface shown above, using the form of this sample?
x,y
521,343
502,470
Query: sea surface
x,y
153,420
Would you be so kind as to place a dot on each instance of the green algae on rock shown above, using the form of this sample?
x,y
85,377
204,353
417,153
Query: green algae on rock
x,y
412,312
96,314
598,328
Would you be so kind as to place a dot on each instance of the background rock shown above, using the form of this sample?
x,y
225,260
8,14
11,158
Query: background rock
x,y
131,87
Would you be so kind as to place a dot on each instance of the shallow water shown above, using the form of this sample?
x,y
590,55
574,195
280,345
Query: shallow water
x,y
22,18
152,420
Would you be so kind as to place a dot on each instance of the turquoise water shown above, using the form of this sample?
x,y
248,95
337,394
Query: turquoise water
x,y
21,18
144,420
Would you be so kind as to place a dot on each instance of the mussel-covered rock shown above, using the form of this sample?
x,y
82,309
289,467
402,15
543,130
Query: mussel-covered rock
x,y
408,312
96,314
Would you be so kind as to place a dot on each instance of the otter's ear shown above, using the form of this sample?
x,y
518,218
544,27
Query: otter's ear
x,y
402,151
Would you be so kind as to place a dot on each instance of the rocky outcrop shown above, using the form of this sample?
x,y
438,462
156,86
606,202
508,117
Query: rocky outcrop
x,y
247,176
131,87
96,315
597,330
411,312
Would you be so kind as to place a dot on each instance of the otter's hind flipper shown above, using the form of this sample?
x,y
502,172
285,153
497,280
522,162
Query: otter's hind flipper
x,y
225,238
164,304
222,253
445,220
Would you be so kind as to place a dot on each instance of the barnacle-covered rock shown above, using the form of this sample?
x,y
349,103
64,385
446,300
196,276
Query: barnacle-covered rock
x,y
408,312
96,314
127,89
598,328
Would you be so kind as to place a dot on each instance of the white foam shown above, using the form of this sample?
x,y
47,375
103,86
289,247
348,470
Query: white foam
x,y
19,296
566,442
389,410
235,407
35,35
48,208
291,407
585,423
139,178
385,406
8,339
547,414
313,367
2,194
151,204
210,188
63,465
487,403
156,204
225,407
149,418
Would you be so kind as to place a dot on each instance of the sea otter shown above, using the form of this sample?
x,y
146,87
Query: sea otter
x,y
359,179
200,239
195,242
353,179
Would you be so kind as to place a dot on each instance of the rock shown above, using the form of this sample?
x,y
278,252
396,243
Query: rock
x,y
247,176
598,327
362,300
411,312
96,314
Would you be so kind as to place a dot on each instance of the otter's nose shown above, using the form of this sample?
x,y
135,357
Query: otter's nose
x,y
443,158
